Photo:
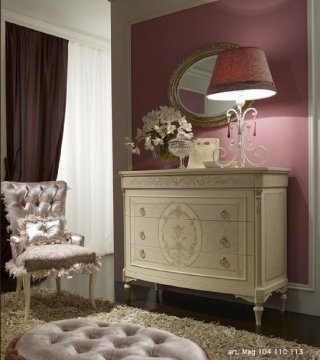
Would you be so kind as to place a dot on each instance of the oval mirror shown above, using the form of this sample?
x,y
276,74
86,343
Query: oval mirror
x,y
188,88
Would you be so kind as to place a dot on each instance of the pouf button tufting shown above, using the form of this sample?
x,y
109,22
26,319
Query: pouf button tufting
x,y
98,340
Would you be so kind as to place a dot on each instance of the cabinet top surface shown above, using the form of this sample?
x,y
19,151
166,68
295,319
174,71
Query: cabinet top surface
x,y
205,171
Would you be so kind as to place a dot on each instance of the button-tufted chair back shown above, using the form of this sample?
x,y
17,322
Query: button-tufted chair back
x,y
38,198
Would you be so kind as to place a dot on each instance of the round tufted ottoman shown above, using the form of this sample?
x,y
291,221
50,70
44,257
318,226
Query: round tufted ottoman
x,y
84,339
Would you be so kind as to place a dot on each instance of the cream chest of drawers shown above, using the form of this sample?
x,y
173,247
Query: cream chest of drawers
x,y
219,230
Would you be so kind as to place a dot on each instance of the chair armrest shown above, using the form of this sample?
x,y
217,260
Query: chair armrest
x,y
17,244
75,239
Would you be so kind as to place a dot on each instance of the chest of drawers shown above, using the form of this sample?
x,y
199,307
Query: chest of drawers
x,y
219,230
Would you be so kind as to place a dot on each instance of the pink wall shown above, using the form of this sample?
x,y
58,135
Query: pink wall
x,y
280,28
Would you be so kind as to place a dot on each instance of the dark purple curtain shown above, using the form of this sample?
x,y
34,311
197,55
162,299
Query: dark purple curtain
x,y
36,85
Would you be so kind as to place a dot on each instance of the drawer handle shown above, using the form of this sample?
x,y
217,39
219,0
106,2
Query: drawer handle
x,y
142,211
224,214
225,242
142,254
142,235
225,263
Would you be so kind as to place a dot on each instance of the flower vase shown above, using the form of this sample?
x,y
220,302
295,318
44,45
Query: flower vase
x,y
163,153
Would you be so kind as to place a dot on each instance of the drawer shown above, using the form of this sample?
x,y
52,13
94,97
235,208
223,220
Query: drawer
x,y
208,236
191,263
228,237
229,206
144,231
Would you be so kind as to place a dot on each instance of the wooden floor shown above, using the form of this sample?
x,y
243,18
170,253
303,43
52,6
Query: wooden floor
x,y
290,326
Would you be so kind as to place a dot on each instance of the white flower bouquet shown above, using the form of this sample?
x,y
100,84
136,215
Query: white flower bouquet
x,y
160,126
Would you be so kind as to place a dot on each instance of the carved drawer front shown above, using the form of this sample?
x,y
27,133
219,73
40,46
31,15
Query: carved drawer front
x,y
191,263
145,231
206,207
228,237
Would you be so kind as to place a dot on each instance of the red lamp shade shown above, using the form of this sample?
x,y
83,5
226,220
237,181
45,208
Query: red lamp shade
x,y
241,73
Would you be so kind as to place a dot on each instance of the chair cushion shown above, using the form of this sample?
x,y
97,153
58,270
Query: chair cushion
x,y
89,339
54,256
40,231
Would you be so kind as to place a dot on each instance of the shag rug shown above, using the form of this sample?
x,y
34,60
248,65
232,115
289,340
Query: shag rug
x,y
220,342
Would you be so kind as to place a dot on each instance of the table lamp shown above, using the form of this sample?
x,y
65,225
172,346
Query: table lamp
x,y
241,74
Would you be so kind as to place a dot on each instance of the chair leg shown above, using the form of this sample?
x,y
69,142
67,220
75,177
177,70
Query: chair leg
x,y
26,287
58,285
19,285
92,282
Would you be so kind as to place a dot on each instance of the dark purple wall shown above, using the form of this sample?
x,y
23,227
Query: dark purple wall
x,y
280,28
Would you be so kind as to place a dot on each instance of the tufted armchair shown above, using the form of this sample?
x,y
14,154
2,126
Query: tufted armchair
x,y
40,244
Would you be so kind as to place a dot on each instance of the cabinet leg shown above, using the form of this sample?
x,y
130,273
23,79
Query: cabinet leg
x,y
156,289
58,285
127,288
283,301
258,310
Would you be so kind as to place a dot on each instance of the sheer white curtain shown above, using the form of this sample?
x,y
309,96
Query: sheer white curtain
x,y
86,154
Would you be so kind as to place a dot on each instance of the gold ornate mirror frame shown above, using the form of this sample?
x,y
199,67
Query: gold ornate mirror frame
x,y
197,120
